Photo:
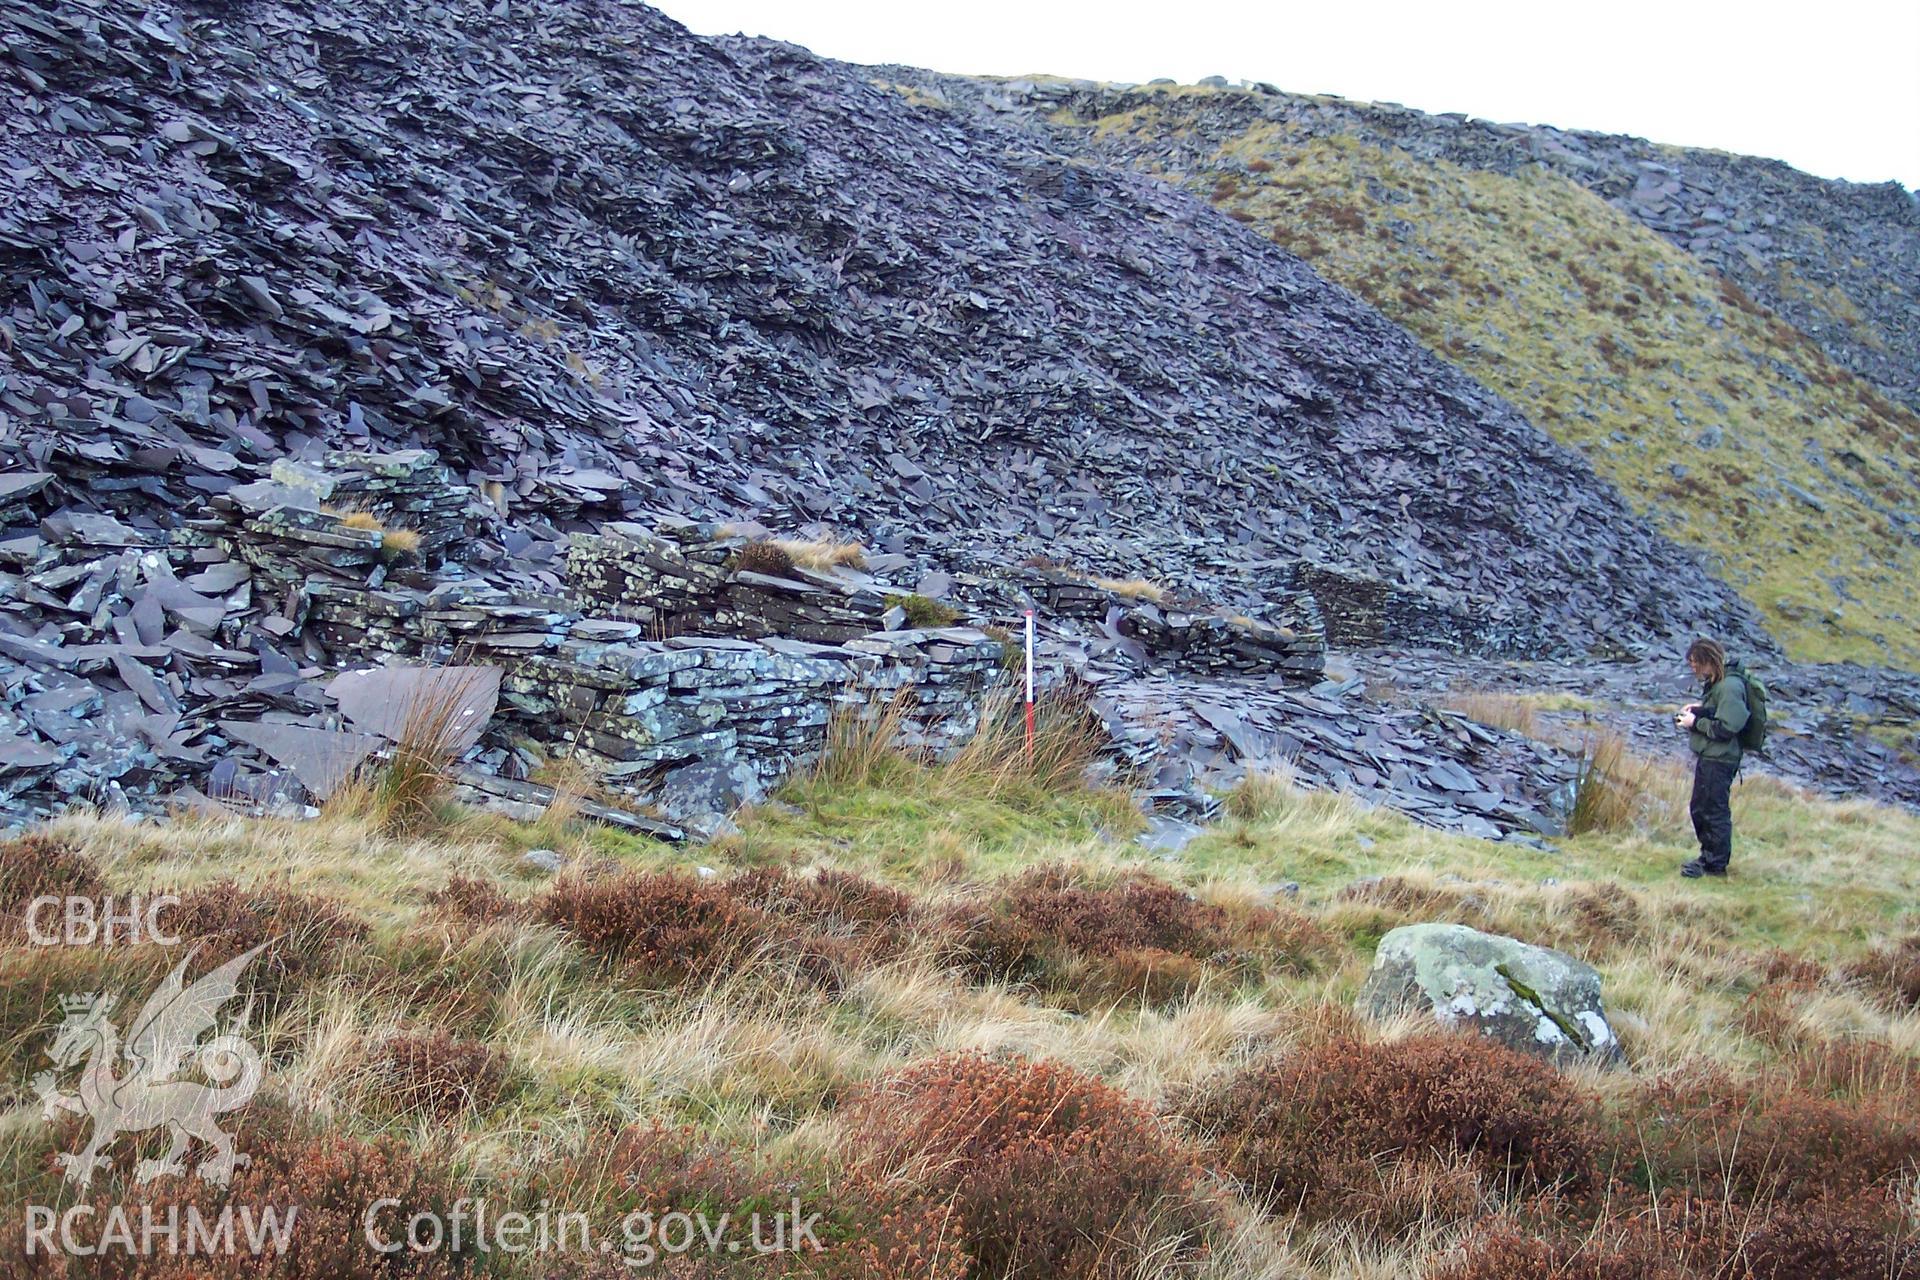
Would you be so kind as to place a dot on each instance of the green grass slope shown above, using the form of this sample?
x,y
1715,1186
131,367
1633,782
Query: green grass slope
x,y
1722,423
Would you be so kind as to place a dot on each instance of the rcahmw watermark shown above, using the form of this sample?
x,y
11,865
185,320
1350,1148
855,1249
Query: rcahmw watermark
x,y
149,1230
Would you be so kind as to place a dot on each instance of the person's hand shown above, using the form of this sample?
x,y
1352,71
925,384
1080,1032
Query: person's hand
x,y
1686,717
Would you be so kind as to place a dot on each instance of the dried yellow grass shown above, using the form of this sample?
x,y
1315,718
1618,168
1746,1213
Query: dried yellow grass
x,y
404,789
364,520
1508,711
821,554
1133,588
400,542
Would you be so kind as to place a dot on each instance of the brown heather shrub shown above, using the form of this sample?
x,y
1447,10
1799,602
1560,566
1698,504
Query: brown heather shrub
x,y
1724,1139
676,928
1320,1128
872,917
670,924
437,1074
1151,976
1607,912
1403,898
328,1181
1507,1252
1141,937
36,865
1791,969
1892,972
304,936
1049,1172
869,1230
1860,1238
475,899
1681,1237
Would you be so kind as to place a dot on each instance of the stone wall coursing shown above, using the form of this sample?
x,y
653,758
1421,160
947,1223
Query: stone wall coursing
x,y
196,657
638,708
684,580
1182,632
1361,612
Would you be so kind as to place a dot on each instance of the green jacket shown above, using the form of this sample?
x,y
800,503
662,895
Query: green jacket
x,y
1723,714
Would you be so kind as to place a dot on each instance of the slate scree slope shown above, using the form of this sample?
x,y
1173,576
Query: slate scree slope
x,y
609,271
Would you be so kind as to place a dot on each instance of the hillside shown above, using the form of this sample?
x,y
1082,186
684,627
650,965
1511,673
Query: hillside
x,y
518,528
1649,306
635,272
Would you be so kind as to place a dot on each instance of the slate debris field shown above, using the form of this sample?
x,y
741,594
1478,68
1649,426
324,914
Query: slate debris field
x,y
354,334
612,268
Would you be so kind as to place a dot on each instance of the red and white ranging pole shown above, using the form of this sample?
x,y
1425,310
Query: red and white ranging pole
x,y
1029,682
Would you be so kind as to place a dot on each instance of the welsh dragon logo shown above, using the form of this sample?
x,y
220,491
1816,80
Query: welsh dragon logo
x,y
146,1095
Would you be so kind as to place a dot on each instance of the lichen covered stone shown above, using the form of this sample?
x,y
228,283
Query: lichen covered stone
x,y
1533,999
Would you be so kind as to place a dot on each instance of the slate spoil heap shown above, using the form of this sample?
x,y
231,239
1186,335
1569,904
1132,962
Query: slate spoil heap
x,y
349,335
642,272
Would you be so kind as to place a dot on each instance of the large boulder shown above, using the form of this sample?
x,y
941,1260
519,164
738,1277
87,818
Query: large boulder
x,y
1529,998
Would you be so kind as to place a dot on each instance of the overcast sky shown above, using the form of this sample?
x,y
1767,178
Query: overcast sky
x,y
1832,88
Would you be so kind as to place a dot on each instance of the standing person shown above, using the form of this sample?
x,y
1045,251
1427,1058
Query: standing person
x,y
1713,727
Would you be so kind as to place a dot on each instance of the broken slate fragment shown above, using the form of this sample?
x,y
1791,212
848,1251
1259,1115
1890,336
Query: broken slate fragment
x,y
322,759
450,705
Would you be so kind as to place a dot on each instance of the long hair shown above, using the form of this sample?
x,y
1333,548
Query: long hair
x,y
1710,655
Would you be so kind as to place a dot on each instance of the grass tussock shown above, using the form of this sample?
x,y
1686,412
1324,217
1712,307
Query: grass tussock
x,y
396,543
1616,791
820,554
1512,712
404,789
764,557
1133,589
923,612
868,745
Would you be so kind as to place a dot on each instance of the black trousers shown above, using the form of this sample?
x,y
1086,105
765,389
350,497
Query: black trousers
x,y
1712,810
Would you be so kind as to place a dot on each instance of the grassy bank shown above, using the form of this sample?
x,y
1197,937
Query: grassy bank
x,y
769,997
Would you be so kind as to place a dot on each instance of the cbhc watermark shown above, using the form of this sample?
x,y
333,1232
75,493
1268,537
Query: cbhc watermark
x,y
73,920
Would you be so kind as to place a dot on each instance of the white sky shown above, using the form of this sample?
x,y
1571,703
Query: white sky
x,y
1832,88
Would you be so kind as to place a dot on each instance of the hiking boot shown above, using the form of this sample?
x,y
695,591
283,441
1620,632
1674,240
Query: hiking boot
x,y
1695,869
